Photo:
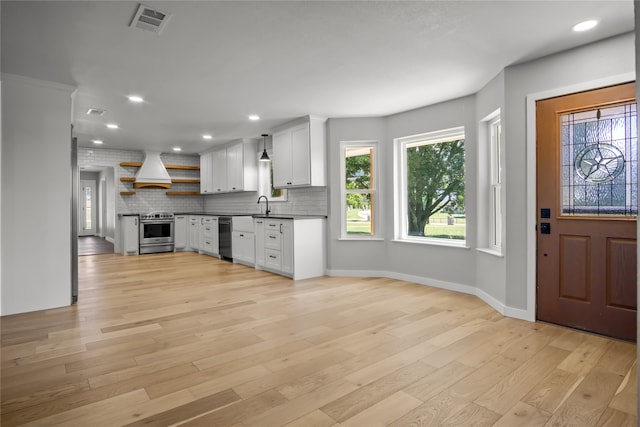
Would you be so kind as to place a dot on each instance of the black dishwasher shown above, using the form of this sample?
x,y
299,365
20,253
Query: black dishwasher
x,y
224,236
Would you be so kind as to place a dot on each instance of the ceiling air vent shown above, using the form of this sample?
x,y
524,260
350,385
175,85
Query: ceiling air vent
x,y
95,112
150,19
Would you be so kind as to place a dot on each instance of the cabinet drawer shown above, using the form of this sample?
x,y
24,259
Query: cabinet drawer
x,y
207,231
207,246
272,259
272,225
272,240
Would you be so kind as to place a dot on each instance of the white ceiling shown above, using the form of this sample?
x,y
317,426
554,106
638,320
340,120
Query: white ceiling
x,y
217,62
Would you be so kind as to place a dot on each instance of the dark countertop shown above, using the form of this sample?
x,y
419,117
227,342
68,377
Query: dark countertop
x,y
128,214
213,214
274,216
289,216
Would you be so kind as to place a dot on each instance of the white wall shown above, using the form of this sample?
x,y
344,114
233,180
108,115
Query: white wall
x,y
591,63
439,265
500,281
36,195
355,256
490,269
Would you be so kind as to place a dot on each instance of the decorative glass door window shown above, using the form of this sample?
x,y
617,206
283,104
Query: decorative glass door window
x,y
599,167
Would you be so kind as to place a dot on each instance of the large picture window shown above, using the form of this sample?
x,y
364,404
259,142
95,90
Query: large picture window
x,y
431,185
359,176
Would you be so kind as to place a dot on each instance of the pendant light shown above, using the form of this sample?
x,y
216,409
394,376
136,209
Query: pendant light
x,y
265,156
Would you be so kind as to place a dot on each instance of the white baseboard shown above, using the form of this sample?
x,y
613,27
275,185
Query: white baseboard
x,y
110,239
457,287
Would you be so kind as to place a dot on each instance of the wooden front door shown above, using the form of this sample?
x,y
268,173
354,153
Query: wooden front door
x,y
587,204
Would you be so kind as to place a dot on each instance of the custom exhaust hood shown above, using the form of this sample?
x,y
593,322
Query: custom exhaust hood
x,y
152,173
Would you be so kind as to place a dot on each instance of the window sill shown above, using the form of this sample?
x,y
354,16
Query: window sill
x,y
492,252
436,242
361,238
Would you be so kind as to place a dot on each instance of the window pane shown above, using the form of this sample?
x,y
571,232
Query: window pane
x,y
435,190
88,198
359,215
358,164
599,162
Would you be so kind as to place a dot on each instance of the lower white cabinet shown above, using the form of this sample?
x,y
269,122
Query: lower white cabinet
x,y
243,240
209,235
194,233
291,247
181,236
242,245
258,227
129,234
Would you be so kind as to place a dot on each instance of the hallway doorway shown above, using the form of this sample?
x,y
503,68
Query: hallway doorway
x,y
94,245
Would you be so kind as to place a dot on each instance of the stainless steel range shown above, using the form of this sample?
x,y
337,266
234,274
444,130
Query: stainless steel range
x,y
156,232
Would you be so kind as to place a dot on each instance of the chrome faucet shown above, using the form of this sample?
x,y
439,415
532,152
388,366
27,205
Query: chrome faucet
x,y
267,201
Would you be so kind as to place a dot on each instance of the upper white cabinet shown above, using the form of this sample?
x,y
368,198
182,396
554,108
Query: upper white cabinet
x,y
299,154
233,167
206,173
219,171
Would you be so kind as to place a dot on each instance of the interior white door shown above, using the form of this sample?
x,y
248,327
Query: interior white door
x,y
88,208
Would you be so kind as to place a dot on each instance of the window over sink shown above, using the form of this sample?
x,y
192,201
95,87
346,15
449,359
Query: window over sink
x,y
265,182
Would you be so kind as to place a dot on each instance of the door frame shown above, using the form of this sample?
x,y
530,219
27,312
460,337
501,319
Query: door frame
x,y
95,208
531,219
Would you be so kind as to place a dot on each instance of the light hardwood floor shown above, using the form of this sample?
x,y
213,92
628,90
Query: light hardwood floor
x,y
186,339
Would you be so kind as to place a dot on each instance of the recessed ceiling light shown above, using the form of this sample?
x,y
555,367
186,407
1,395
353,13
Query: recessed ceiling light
x,y
207,136
177,149
254,117
135,98
95,112
98,141
584,25
112,126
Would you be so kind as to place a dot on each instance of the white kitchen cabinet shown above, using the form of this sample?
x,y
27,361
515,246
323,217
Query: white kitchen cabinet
x,y
206,173
209,235
286,251
292,247
130,234
299,154
181,239
194,233
232,168
243,248
259,242
243,240
219,184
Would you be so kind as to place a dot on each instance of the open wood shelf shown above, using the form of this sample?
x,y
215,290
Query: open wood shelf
x,y
127,193
183,193
182,167
183,180
128,179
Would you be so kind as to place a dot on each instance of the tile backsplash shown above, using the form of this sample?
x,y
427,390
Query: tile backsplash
x,y
146,199
300,201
